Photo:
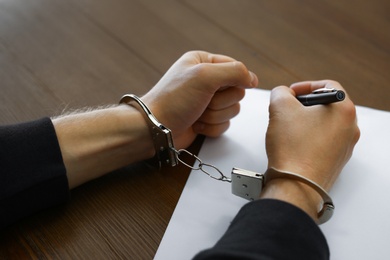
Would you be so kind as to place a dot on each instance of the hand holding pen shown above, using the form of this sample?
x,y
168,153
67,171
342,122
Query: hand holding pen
x,y
314,141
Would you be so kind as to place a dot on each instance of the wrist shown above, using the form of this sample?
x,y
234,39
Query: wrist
x,y
295,193
136,131
300,191
161,135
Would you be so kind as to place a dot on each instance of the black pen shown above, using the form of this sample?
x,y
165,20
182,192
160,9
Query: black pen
x,y
322,96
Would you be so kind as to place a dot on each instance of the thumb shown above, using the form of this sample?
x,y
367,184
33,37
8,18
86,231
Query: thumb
x,y
229,74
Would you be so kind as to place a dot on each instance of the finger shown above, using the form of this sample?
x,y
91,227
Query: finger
x,y
235,73
306,87
206,57
219,116
197,57
210,130
215,58
226,98
219,70
226,74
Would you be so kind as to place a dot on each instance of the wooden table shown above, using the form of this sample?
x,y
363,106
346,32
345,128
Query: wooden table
x,y
56,55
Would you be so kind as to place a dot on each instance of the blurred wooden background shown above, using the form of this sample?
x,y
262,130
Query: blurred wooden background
x,y
57,54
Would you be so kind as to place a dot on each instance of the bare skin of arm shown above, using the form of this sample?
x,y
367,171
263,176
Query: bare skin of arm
x,y
199,94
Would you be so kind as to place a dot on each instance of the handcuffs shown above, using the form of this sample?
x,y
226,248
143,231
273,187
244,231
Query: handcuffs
x,y
162,136
245,184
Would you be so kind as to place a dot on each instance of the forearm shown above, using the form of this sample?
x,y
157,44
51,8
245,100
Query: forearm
x,y
295,193
97,142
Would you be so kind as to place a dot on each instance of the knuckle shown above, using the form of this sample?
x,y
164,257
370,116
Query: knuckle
x,y
349,111
236,110
200,70
357,135
240,68
210,116
219,129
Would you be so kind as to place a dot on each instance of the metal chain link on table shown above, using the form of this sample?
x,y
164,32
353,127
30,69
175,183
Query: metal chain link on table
x,y
212,171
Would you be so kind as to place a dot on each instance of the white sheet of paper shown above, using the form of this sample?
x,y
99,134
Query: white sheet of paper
x,y
360,227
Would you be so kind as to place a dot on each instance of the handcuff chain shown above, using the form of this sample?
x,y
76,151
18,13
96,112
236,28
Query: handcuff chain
x,y
201,165
163,142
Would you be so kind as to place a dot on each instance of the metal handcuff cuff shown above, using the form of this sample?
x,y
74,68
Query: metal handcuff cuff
x,y
245,184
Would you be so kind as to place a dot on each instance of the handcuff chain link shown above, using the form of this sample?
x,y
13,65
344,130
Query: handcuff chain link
x,y
201,166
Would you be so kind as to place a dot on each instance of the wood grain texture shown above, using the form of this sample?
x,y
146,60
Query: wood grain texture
x,y
57,55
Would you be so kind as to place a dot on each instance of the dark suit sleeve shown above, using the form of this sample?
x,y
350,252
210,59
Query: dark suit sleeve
x,y
32,173
270,229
